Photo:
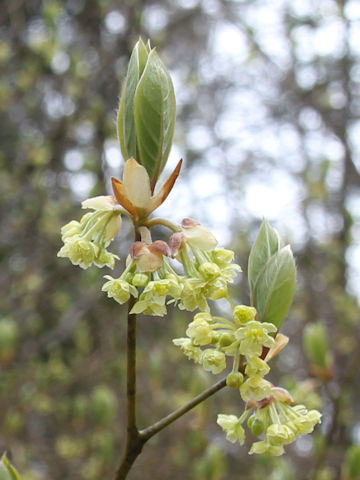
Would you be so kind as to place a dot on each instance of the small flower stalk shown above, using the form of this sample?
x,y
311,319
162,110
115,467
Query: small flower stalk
x,y
189,271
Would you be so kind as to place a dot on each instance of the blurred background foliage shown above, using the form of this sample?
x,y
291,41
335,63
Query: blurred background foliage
x,y
268,124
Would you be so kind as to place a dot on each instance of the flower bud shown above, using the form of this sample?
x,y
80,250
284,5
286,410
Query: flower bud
x,y
234,380
146,116
222,256
257,426
244,314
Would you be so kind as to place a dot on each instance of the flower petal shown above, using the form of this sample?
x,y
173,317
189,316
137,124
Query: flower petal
x,y
137,184
102,202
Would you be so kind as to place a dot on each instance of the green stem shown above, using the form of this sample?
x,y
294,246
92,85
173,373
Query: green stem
x,y
236,362
164,222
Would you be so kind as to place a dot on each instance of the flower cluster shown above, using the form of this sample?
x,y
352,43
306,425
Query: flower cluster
x,y
211,339
279,422
150,269
152,278
208,270
149,275
85,242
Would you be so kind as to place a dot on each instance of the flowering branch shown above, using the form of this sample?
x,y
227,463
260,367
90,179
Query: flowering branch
x,y
150,282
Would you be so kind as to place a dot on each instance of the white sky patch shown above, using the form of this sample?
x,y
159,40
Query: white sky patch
x,y
306,76
155,18
81,184
187,3
113,155
199,137
74,160
229,43
353,260
352,10
60,62
202,197
115,22
274,199
328,39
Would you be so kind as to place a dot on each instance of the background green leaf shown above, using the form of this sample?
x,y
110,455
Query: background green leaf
x,y
7,471
275,287
316,345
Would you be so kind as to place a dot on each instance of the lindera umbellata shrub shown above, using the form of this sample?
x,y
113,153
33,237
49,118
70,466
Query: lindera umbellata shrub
x,y
190,272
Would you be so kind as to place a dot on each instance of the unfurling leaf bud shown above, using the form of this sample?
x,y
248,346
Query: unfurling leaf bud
x,y
265,246
272,276
275,287
146,116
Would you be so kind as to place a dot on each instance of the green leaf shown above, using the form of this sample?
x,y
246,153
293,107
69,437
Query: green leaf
x,y
316,345
265,246
155,110
353,461
7,471
274,288
125,119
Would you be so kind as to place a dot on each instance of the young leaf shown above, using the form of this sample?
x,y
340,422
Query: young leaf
x,y
125,118
155,111
265,246
275,287
7,471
